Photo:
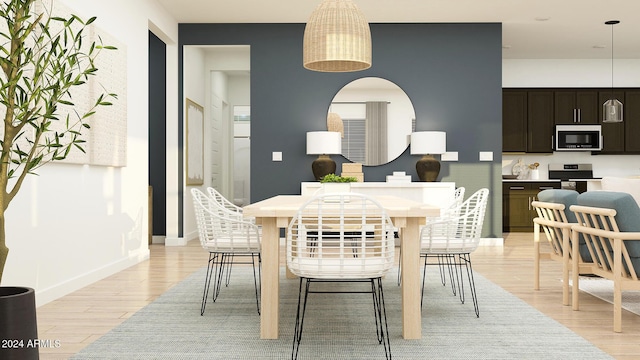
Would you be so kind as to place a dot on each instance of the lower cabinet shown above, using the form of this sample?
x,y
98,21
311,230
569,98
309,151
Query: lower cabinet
x,y
517,212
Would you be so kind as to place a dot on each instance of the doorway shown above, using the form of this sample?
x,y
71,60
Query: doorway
x,y
157,139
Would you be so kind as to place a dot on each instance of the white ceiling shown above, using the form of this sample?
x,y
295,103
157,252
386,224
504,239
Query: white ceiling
x,y
532,29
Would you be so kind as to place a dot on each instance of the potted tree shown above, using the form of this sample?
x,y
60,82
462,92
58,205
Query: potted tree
x,y
44,59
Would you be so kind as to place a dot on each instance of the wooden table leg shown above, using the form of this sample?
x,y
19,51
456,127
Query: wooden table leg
x,y
270,294
411,312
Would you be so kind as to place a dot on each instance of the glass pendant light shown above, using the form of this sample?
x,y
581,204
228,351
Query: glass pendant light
x,y
612,108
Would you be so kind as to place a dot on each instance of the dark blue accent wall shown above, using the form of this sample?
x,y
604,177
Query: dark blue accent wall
x,y
158,132
451,72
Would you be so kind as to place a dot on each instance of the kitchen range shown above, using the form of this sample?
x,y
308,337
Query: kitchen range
x,y
571,176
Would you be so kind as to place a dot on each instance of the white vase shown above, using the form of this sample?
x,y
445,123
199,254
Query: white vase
x,y
535,174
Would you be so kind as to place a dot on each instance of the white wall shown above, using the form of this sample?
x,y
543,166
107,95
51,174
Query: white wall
x,y
570,73
74,224
573,73
194,89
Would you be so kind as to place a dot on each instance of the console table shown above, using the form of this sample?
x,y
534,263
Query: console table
x,y
438,194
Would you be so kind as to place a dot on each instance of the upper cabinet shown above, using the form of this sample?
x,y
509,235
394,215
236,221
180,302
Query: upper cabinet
x,y
540,121
527,120
514,121
631,121
575,107
529,116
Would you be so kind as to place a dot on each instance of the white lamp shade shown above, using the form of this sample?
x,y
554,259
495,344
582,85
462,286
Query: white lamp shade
x,y
324,143
428,142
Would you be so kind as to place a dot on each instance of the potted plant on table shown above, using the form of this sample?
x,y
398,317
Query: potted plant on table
x,y
44,60
334,183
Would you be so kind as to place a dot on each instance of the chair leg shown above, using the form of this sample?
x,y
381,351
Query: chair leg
x,y
382,328
257,283
297,332
229,263
400,266
424,274
219,274
443,260
455,274
441,267
207,281
472,285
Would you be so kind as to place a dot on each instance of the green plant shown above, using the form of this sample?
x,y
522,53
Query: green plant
x,y
337,179
43,60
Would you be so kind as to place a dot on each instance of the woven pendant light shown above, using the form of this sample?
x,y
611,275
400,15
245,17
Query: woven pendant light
x,y
337,38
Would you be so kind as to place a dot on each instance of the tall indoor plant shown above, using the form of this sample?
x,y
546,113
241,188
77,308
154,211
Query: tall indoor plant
x,y
44,60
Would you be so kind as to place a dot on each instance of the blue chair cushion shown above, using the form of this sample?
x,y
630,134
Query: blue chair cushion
x,y
627,215
568,198
561,196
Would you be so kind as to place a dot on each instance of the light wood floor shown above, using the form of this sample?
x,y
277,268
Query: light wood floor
x,y
78,319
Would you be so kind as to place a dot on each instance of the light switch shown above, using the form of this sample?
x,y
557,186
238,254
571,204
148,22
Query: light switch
x,y
276,156
486,155
449,156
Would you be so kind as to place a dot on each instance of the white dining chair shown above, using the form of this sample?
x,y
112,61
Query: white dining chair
x,y
450,210
226,203
231,210
453,237
225,237
328,255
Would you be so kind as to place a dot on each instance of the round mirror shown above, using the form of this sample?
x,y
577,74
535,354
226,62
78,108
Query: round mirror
x,y
376,118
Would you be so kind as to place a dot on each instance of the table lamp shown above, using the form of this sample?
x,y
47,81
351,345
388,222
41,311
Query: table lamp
x,y
323,144
428,143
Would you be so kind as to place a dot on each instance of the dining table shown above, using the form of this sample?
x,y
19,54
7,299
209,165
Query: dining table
x,y
276,212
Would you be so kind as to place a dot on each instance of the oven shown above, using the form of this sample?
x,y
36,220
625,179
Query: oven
x,y
570,174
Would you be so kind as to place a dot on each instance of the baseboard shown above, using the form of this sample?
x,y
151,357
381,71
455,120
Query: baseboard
x,y
49,294
178,241
491,242
158,239
181,241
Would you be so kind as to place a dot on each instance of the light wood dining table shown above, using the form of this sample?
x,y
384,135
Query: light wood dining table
x,y
276,212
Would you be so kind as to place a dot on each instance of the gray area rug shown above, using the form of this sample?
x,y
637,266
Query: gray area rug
x,y
338,326
603,289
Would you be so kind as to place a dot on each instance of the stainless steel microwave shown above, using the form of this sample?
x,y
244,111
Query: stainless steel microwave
x,y
578,138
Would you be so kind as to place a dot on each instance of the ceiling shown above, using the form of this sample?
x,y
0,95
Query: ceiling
x,y
532,29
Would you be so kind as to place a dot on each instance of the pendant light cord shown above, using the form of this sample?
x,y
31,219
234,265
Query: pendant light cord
x,y
611,23
612,60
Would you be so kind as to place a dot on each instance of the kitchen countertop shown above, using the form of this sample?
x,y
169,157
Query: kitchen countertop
x,y
530,180
547,180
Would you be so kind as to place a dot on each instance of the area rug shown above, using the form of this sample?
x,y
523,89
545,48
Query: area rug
x,y
603,289
338,326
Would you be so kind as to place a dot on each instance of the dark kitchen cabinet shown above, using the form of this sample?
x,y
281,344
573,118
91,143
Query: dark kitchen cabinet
x,y
529,116
632,121
539,121
575,107
527,120
514,121
517,212
613,134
